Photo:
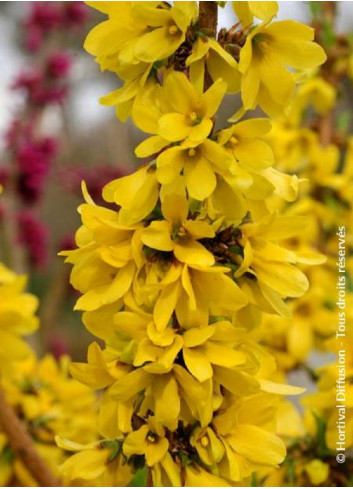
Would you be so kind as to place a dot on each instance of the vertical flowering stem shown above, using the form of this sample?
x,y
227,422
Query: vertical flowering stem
x,y
22,444
208,17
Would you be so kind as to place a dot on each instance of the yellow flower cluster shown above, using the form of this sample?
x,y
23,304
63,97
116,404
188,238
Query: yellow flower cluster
x,y
139,40
176,274
313,140
51,403
17,316
326,199
41,393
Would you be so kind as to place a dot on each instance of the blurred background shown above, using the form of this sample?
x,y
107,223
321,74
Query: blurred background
x,y
53,134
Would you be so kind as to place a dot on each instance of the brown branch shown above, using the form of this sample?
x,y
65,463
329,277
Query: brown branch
x,y
326,128
208,17
22,445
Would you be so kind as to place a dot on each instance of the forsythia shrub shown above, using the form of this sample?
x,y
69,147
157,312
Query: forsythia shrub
x,y
194,248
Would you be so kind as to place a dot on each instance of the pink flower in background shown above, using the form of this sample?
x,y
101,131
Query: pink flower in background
x,y
95,178
48,86
75,14
34,159
45,17
58,64
33,235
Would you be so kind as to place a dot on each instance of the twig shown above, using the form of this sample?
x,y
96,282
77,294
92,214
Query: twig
x,y
208,17
22,445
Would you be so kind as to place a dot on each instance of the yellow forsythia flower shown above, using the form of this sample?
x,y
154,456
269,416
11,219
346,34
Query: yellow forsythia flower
x,y
17,316
269,48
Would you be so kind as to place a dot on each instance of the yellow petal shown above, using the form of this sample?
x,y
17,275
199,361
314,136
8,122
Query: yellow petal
x,y
197,363
284,278
157,44
276,79
300,54
182,94
198,336
106,294
255,155
263,10
212,98
199,229
166,400
192,252
157,236
175,208
239,383
156,451
222,355
317,471
165,305
170,163
150,146
86,465
221,290
258,445
300,340
243,12
199,477
135,443
129,385
173,127
199,132
285,390
200,178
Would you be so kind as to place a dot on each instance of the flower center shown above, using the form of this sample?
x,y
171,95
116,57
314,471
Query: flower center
x,y
205,441
173,30
152,437
191,152
195,118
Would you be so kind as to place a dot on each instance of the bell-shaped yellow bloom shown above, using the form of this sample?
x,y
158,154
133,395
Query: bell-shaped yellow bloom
x,y
271,266
136,194
200,165
100,463
208,54
178,234
185,114
134,37
103,262
203,347
166,28
138,32
268,50
209,447
149,440
245,430
243,141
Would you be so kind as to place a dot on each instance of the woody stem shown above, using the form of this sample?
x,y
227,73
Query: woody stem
x,y
208,17
22,445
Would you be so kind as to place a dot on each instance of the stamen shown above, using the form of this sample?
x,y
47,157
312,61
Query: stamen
x,y
173,30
